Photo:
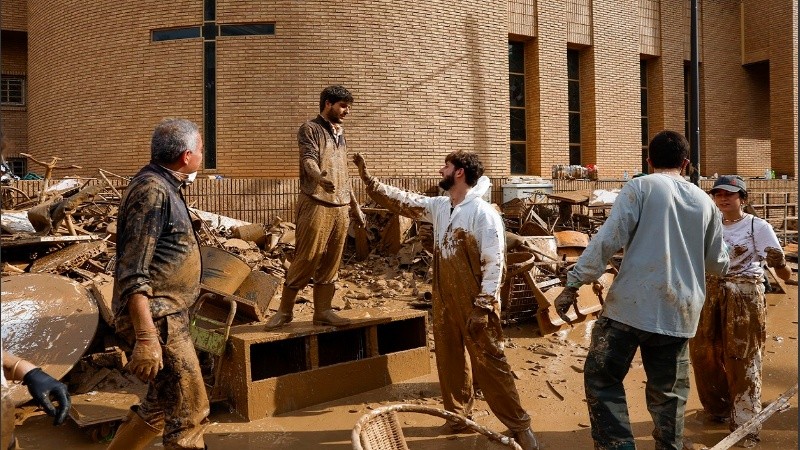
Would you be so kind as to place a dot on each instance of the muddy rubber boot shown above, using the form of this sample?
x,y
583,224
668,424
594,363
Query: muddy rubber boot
x,y
284,313
134,433
323,314
527,440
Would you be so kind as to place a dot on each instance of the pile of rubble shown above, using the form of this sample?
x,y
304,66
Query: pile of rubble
x,y
68,232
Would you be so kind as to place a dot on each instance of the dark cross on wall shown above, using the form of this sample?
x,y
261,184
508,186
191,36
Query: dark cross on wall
x,y
209,31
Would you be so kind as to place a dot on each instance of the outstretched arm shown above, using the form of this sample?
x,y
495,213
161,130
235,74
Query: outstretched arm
x,y
409,204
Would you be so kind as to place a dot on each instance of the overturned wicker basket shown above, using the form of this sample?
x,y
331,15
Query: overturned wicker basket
x,y
380,429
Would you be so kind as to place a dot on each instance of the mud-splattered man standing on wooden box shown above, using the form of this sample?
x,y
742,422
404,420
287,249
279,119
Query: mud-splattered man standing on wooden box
x,y
468,266
322,213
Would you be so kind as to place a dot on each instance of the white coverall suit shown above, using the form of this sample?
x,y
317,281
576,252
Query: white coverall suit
x,y
468,267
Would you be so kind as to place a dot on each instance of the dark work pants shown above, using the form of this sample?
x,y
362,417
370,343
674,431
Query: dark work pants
x,y
666,364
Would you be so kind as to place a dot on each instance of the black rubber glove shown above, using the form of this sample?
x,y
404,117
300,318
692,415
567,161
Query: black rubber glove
x,y
41,386
564,301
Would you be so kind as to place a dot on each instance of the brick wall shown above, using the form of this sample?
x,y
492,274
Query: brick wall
x,y
546,93
428,78
579,21
14,15
665,74
522,17
14,119
755,129
98,85
615,56
650,27
783,84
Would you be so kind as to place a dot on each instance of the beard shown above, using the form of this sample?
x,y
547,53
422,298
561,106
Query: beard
x,y
447,182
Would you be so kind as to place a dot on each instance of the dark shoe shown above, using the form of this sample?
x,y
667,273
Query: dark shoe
x,y
527,440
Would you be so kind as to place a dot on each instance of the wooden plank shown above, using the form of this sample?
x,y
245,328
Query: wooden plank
x,y
18,240
741,432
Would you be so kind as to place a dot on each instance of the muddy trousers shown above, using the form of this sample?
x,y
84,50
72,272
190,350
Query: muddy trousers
x,y
176,400
319,243
666,364
728,349
483,360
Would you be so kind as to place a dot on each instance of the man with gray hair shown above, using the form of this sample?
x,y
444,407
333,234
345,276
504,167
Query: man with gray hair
x,y
157,280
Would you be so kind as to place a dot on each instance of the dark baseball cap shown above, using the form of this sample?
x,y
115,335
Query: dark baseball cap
x,y
730,183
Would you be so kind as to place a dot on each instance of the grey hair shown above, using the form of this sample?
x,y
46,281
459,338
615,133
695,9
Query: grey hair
x,y
171,138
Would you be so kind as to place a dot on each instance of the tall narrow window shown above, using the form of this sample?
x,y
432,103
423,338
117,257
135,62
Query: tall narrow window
x,y
645,123
516,90
574,105
686,76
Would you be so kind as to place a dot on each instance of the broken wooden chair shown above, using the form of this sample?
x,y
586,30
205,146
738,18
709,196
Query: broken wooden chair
x,y
211,336
380,429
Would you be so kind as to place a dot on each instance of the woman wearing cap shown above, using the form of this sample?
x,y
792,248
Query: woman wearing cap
x,y
728,348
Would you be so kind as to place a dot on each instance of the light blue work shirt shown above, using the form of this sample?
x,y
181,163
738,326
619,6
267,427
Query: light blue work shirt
x,y
671,234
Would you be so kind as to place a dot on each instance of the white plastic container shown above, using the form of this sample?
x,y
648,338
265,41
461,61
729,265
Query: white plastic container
x,y
525,190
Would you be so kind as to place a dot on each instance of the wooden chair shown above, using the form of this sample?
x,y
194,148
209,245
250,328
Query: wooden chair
x,y
380,429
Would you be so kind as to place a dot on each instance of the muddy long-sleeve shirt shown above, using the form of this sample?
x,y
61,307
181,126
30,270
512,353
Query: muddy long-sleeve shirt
x,y
671,233
318,142
157,252
469,244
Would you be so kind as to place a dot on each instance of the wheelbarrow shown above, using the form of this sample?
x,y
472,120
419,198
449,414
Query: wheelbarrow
x,y
211,336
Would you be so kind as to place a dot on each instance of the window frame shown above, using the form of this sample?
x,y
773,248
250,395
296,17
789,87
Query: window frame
x,y
5,90
574,147
520,144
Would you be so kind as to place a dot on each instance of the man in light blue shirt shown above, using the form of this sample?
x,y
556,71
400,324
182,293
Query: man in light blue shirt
x,y
671,234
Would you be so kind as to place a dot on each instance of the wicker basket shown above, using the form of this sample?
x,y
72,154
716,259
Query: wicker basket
x,y
380,429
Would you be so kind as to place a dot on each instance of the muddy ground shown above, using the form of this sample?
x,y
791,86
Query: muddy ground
x,y
558,410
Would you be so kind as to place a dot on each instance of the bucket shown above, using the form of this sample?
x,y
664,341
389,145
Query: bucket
x,y
253,232
222,271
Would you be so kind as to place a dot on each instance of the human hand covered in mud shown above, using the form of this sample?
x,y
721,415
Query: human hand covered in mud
x,y
486,332
361,163
565,300
146,359
478,319
326,184
356,214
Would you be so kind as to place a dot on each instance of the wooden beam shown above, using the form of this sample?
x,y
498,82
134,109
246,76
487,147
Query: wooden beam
x,y
757,420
